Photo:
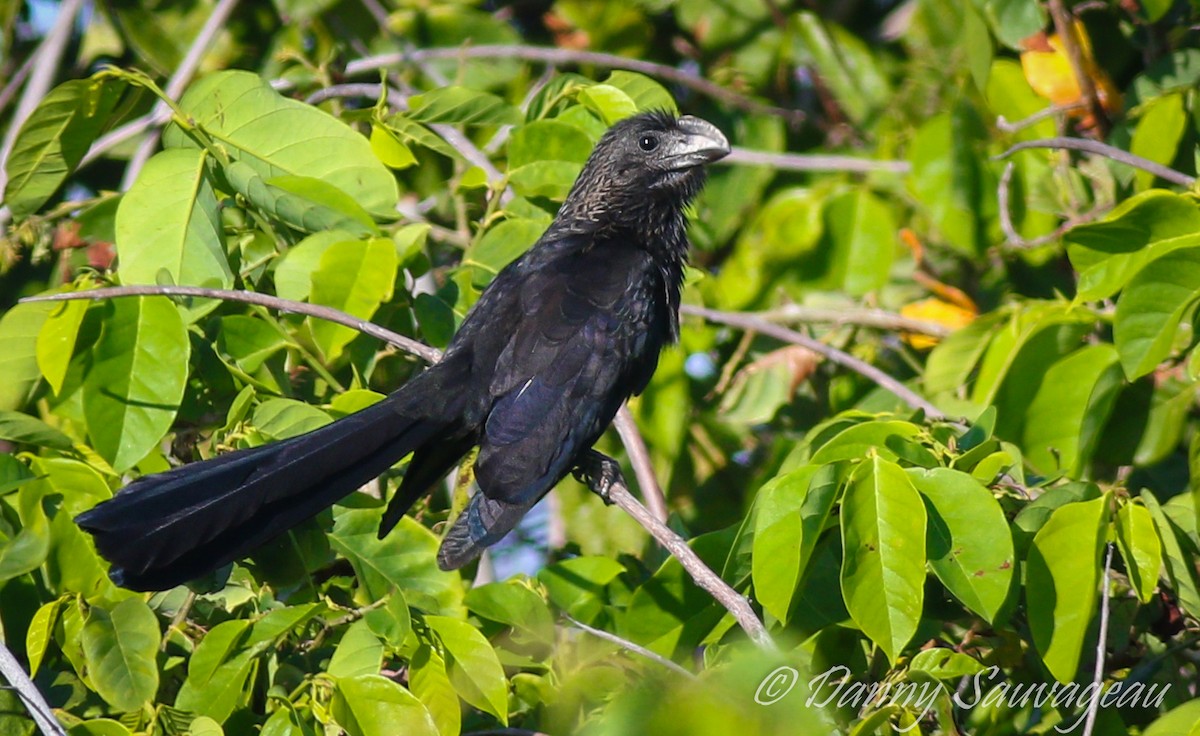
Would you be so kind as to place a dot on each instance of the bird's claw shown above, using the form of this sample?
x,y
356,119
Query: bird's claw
x,y
600,473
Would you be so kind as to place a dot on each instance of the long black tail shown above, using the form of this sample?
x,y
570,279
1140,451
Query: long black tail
x,y
165,529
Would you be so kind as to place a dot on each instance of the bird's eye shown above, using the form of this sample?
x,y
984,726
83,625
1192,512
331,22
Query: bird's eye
x,y
648,143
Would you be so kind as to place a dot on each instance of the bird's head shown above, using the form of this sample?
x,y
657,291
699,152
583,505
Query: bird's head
x,y
650,161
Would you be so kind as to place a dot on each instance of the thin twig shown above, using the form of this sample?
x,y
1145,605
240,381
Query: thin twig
x,y
559,56
49,54
635,648
425,352
860,316
730,599
1004,126
1064,25
176,84
812,162
14,83
1014,238
758,324
1101,646
1111,152
737,605
639,457
506,732
14,673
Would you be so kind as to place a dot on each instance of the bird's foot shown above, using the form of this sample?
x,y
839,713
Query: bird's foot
x,y
600,473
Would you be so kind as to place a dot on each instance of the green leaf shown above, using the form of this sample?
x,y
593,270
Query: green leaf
x,y
56,341
949,178
577,585
412,132
55,137
844,63
40,634
390,149
1071,406
1140,548
1181,720
19,328
514,604
945,664
862,233
883,436
293,271
461,105
1107,254
169,225
278,136
610,103
430,683
120,647
969,546
218,672
646,93
358,653
404,560
472,665
1157,134
1178,558
951,362
370,705
392,622
1062,582
136,382
1015,20
883,564
356,277
319,205
789,513
1151,308
283,418
28,548
550,179
26,430
548,140
205,726
500,246
249,341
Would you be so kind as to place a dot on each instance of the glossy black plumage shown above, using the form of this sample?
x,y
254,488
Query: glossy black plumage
x,y
535,374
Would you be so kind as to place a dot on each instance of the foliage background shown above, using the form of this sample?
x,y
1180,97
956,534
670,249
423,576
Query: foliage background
x,y
1049,305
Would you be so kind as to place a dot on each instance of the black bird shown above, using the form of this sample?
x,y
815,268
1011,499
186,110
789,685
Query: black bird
x,y
537,371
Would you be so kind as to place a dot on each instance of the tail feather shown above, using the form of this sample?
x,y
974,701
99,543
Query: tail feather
x,y
484,522
165,529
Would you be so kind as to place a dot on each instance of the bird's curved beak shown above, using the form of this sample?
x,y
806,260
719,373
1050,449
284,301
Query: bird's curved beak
x,y
702,143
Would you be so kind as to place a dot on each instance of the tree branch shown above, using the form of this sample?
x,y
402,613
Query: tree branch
x,y
37,706
176,84
559,56
632,647
1064,26
1014,238
639,457
737,605
861,316
1101,646
1110,152
760,325
812,162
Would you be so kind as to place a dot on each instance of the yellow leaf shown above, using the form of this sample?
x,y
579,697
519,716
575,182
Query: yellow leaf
x,y
950,316
1048,70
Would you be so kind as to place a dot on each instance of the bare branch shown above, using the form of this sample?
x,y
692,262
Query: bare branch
x,y
1064,26
1111,152
812,162
559,56
37,706
861,316
48,54
409,345
1101,646
177,83
1014,238
1005,126
758,324
639,457
737,605
635,648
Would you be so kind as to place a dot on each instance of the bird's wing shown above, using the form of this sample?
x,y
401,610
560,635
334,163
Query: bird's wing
x,y
588,330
